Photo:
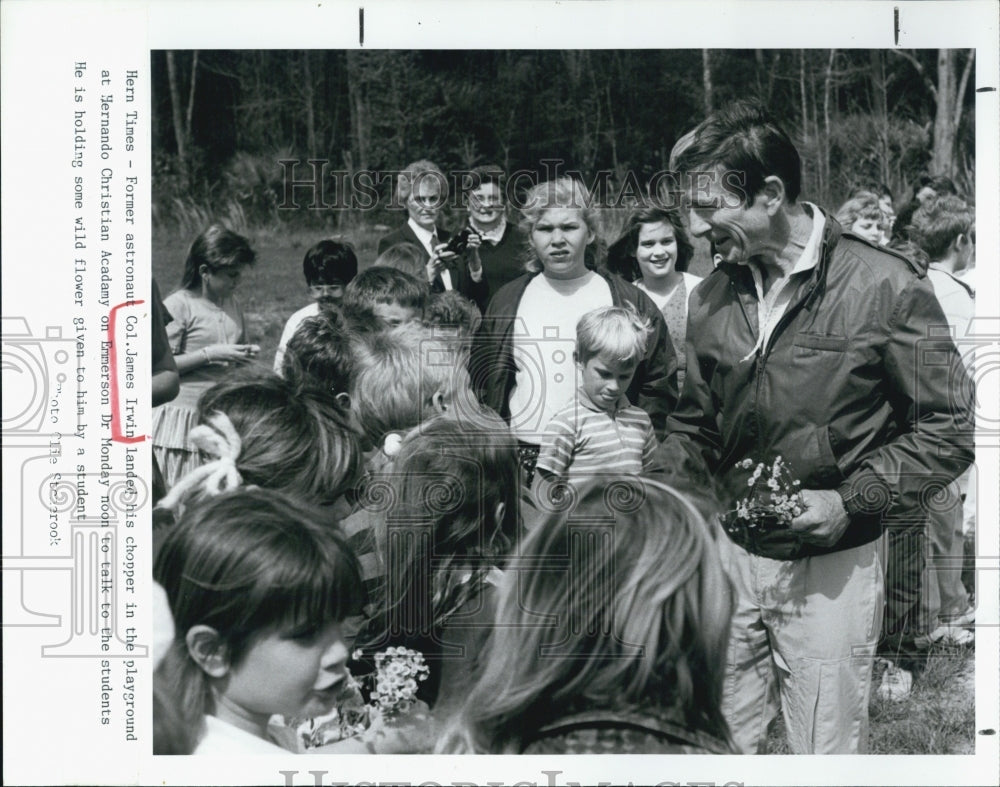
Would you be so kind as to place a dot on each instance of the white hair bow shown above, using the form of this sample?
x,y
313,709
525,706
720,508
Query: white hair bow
x,y
217,438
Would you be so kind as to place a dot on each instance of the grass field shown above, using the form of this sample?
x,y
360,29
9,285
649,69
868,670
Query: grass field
x,y
272,289
937,718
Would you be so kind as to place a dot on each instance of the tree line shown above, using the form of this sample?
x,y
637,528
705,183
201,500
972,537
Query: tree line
x,y
223,119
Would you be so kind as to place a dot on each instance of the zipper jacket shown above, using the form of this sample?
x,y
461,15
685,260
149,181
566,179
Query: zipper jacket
x,y
858,390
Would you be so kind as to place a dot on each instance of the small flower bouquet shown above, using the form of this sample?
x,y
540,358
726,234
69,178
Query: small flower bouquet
x,y
392,690
770,504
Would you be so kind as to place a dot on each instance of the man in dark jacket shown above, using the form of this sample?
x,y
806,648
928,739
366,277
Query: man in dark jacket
x,y
809,345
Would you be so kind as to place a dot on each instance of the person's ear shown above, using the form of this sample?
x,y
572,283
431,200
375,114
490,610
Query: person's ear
x,y
774,194
203,271
440,402
576,359
343,399
207,650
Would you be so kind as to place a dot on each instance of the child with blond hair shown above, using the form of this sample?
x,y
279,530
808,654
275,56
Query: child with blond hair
x,y
599,431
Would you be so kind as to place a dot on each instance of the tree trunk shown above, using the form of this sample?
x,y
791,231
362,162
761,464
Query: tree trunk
x,y
613,135
962,84
308,101
942,155
706,79
175,113
190,105
359,109
827,90
773,75
880,107
805,111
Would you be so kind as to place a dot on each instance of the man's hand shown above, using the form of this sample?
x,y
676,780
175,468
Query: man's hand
x,y
823,519
436,261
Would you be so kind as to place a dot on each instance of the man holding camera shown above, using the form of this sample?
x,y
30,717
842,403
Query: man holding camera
x,y
810,349
423,189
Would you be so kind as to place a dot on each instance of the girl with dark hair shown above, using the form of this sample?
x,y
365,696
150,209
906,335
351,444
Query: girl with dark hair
x,y
653,253
207,336
258,428
259,586
452,524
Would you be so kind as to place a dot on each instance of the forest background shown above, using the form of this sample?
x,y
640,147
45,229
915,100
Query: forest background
x,y
222,120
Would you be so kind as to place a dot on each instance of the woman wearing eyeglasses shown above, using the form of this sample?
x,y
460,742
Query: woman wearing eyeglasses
x,y
501,246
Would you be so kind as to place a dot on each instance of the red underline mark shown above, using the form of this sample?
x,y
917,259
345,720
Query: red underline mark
x,y
116,424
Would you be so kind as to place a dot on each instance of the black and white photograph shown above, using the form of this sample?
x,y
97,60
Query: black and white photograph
x,y
605,386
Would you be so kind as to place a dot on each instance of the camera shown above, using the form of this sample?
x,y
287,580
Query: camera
x,y
460,242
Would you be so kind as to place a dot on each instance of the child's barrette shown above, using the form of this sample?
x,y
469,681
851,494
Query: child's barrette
x,y
392,443
219,439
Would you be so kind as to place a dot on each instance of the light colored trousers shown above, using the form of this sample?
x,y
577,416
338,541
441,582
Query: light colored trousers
x,y
942,594
803,637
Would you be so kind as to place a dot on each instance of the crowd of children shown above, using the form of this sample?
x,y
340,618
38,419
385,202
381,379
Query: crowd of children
x,y
359,497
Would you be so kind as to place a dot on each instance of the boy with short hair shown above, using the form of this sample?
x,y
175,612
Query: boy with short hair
x,y
944,227
401,377
451,314
320,356
382,297
329,266
600,431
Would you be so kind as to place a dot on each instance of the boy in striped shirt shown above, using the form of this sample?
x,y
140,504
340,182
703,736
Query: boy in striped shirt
x,y
599,431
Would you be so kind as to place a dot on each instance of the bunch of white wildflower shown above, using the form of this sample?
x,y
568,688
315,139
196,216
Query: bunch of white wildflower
x,y
770,502
397,672
393,691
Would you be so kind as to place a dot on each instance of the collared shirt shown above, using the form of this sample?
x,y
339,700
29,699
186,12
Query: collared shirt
x,y
583,439
493,236
425,236
957,303
428,239
771,306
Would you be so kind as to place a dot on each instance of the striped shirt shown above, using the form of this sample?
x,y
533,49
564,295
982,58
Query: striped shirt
x,y
582,439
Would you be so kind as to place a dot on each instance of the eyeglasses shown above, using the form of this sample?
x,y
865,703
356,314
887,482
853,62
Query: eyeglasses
x,y
489,202
321,290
